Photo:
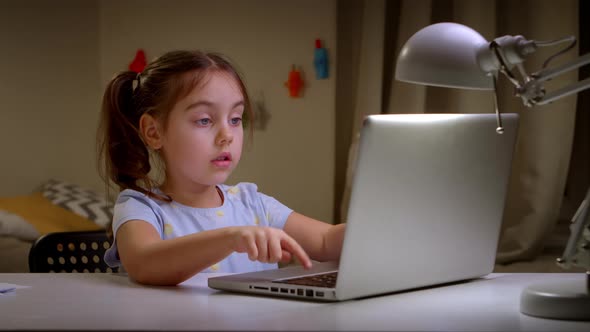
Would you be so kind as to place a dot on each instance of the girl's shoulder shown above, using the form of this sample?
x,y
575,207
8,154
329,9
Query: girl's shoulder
x,y
131,194
134,195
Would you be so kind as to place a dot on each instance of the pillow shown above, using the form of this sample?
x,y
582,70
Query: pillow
x,y
79,200
44,215
14,225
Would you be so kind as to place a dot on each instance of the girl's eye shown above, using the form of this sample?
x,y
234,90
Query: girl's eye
x,y
204,122
236,121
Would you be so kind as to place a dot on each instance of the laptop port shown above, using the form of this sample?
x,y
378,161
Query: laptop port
x,y
299,291
292,291
319,294
274,289
309,292
284,290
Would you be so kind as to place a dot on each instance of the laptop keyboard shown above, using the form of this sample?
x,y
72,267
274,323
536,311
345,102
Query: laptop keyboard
x,y
317,280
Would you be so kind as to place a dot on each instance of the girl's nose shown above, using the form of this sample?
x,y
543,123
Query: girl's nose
x,y
224,136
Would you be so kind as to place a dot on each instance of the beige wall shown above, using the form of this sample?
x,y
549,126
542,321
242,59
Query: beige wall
x,y
58,65
49,93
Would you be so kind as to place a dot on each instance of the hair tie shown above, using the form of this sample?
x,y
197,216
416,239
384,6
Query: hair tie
x,y
136,82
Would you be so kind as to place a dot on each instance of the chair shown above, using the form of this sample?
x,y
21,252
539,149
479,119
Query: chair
x,y
81,251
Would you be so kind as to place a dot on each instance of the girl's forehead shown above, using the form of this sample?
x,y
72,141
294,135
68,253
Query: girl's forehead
x,y
216,83
213,87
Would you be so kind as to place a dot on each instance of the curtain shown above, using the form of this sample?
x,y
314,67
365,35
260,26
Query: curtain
x,y
371,34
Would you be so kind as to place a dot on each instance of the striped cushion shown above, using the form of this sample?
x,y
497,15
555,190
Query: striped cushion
x,y
83,202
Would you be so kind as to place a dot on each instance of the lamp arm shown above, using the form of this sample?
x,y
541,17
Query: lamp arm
x,y
510,52
533,93
549,73
577,250
571,89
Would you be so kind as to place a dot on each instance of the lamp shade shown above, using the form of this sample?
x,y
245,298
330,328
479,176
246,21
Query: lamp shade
x,y
447,55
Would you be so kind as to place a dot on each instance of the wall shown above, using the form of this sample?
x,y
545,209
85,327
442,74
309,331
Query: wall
x,y
49,92
58,65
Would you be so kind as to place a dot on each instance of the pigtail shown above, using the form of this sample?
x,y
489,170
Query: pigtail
x,y
123,156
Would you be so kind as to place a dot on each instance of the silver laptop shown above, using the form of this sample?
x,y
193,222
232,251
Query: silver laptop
x,y
426,207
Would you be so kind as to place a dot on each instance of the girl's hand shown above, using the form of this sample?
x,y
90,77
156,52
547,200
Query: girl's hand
x,y
267,245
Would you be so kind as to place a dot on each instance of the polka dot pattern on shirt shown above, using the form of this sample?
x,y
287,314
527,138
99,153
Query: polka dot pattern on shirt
x,y
168,229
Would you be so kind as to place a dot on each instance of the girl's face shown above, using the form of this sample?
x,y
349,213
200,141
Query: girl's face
x,y
202,143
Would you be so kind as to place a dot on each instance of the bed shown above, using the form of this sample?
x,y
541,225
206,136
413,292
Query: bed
x,y
57,206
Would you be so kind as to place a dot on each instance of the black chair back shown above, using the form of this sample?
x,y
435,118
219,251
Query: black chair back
x,y
70,252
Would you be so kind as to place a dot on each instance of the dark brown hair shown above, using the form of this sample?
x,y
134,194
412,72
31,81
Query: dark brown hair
x,y
123,158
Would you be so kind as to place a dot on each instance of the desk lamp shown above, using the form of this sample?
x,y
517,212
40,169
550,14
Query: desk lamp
x,y
456,56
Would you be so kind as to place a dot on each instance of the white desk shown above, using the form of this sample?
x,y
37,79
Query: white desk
x,y
112,302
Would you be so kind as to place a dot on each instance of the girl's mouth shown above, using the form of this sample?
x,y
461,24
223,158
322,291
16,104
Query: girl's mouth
x,y
223,160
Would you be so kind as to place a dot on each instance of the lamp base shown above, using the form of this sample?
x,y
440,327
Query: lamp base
x,y
568,299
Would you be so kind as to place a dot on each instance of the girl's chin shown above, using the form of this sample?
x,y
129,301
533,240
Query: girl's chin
x,y
219,178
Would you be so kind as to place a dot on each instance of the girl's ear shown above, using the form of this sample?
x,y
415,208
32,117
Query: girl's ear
x,y
150,131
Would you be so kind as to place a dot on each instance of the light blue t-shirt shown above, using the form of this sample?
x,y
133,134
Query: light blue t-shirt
x,y
242,205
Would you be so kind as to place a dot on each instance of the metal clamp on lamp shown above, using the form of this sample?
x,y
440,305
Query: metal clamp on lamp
x,y
456,56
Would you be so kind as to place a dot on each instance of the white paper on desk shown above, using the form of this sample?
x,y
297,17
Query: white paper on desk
x,y
6,289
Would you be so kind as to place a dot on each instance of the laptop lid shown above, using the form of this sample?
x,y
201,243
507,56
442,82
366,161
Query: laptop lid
x,y
427,201
426,207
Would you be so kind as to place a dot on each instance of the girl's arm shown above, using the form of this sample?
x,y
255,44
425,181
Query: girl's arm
x,y
150,260
322,241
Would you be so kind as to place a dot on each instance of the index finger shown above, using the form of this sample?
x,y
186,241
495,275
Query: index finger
x,y
294,248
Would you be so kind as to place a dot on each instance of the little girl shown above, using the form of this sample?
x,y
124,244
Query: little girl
x,y
186,110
